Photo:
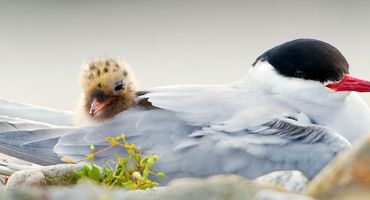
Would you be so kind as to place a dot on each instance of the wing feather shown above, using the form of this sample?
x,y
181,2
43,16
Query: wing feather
x,y
281,144
196,135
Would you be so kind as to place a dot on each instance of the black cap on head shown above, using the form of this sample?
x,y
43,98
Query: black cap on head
x,y
308,59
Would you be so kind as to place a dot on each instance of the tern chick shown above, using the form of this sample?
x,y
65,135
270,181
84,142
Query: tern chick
x,y
108,89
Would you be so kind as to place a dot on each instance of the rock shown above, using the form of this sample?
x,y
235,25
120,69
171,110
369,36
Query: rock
x,y
62,174
292,181
34,178
216,187
230,187
275,195
8,159
347,177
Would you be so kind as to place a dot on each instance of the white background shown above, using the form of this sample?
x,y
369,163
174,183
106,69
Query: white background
x,y
43,43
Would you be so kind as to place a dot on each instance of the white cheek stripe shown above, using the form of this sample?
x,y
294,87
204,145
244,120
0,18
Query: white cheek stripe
x,y
263,77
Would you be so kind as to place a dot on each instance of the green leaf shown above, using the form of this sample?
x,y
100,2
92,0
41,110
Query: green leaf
x,y
112,141
95,173
146,172
92,148
161,175
67,160
129,172
90,157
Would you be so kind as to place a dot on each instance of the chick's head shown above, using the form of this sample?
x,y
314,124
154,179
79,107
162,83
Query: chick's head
x,y
108,87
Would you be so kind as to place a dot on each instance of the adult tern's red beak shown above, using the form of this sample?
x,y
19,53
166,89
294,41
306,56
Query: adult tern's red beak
x,y
349,83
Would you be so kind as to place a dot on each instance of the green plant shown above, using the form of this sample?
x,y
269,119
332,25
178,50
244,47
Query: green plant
x,y
131,172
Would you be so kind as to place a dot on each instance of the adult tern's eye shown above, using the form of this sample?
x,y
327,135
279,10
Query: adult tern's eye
x,y
119,86
300,74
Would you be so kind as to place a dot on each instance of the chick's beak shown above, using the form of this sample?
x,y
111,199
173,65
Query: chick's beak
x,y
349,83
97,106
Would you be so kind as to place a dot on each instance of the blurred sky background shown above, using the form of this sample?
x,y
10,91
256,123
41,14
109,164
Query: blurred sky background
x,y
44,42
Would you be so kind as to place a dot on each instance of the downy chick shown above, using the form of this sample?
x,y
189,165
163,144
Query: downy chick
x,y
108,89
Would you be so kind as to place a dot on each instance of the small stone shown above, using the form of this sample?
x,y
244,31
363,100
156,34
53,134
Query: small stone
x,y
63,174
292,181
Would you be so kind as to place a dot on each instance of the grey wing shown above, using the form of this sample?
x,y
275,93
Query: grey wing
x,y
281,144
35,113
189,151
193,138
30,140
30,132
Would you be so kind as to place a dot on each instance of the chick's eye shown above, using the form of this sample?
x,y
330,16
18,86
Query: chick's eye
x,y
119,87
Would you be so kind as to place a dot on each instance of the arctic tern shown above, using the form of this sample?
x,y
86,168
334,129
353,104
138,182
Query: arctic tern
x,y
296,109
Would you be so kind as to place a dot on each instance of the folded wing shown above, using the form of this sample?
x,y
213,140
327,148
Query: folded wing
x,y
193,135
